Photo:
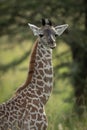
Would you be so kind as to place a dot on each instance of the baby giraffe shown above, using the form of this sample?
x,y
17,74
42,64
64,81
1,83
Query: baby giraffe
x,y
25,110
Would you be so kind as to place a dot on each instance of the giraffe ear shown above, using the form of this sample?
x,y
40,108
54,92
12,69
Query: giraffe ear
x,y
61,28
34,28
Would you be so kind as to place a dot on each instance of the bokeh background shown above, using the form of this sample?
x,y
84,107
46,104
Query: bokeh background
x,y
67,106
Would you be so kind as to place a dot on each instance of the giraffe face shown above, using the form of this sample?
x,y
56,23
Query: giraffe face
x,y
47,33
47,36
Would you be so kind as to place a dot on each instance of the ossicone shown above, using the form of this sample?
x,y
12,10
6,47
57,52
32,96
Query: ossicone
x,y
46,22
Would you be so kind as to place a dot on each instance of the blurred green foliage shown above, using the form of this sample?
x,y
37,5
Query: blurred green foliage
x,y
69,58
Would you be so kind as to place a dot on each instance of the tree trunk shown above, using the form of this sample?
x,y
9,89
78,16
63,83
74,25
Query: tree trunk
x,y
80,78
85,6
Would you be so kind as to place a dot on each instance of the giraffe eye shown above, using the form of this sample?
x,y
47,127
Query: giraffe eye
x,y
56,35
41,35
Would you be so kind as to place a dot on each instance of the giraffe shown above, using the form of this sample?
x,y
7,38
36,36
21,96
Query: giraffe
x,y
25,110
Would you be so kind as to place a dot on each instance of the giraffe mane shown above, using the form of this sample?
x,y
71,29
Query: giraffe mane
x,y
31,69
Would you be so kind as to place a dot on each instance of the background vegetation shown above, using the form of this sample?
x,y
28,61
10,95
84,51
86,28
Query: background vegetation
x,y
67,107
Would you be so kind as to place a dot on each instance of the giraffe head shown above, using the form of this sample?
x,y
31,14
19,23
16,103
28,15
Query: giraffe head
x,y
47,33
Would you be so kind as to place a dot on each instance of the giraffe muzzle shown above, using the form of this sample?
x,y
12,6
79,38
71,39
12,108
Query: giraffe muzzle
x,y
53,46
52,42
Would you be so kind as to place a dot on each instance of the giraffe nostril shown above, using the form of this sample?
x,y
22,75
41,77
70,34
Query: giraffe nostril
x,y
52,45
52,42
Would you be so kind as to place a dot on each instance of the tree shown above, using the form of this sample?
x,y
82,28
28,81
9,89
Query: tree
x,y
15,14
78,44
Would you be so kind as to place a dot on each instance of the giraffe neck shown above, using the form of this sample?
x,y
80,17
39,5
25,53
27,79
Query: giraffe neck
x,y
40,76
42,79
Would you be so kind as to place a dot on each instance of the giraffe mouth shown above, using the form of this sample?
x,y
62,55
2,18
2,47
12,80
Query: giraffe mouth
x,y
52,47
